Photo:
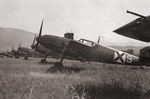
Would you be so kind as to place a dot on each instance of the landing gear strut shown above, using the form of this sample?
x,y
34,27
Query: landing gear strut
x,y
141,67
27,55
58,66
44,60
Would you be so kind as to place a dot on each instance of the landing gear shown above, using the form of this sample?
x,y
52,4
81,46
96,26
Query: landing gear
x,y
62,58
58,66
44,60
141,67
17,57
26,58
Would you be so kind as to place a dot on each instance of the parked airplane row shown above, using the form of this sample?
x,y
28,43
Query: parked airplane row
x,y
86,50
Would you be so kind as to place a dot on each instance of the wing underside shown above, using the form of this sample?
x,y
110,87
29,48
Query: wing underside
x,y
78,50
137,29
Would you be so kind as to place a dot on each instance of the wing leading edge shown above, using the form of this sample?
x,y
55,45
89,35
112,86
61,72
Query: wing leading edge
x,y
138,29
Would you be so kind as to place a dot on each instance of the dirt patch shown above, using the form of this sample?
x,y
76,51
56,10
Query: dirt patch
x,y
58,67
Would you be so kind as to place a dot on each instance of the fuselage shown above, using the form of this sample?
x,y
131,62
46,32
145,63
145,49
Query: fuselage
x,y
80,50
14,51
24,49
54,43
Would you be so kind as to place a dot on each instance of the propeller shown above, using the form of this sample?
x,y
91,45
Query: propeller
x,y
33,45
19,48
34,40
41,28
12,48
40,32
98,39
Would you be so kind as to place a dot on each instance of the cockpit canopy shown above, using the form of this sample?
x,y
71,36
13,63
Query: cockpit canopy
x,y
87,42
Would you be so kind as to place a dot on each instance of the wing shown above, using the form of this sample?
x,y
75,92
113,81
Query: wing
x,y
138,29
78,50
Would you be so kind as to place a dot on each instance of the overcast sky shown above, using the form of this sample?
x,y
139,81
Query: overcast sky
x,y
86,18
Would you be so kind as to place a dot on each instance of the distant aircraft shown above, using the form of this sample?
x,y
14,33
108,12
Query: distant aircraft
x,y
14,52
27,52
5,54
84,50
138,29
21,51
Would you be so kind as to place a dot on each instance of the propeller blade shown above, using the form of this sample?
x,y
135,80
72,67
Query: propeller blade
x,y
36,46
19,45
40,32
34,40
12,48
33,45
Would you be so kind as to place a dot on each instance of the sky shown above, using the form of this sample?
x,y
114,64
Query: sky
x,y
88,19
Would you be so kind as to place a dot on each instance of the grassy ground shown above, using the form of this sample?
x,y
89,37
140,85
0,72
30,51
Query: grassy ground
x,y
27,79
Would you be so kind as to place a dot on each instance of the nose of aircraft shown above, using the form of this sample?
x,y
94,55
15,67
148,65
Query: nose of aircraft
x,y
32,46
41,39
38,39
50,40
44,39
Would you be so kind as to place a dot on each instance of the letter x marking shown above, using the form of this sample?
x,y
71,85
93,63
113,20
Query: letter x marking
x,y
119,56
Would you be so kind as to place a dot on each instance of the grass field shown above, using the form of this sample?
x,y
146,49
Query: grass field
x,y
27,79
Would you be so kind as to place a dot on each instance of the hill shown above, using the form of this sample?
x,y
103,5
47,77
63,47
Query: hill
x,y
136,49
12,36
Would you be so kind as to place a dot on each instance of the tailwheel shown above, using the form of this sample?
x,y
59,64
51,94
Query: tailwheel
x,y
141,67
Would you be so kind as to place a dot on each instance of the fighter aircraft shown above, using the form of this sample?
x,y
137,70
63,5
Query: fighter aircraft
x,y
17,53
26,51
42,50
84,50
14,52
5,54
45,51
138,29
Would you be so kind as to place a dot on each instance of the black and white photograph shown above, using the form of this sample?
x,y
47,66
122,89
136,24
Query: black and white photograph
x,y
74,49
